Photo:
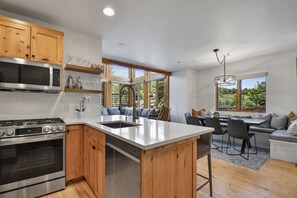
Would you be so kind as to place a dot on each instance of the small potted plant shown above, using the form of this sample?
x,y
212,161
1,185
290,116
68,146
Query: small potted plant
x,y
82,106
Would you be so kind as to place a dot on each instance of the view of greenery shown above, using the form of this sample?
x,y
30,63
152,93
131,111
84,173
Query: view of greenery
x,y
116,95
227,97
156,95
252,95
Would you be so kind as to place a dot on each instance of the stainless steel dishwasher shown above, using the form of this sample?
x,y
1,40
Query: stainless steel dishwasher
x,y
123,169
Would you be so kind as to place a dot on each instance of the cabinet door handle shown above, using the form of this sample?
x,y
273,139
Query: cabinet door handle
x,y
27,55
68,131
33,56
45,59
93,147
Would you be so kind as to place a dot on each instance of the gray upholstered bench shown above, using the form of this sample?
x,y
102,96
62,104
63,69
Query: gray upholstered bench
x,y
283,146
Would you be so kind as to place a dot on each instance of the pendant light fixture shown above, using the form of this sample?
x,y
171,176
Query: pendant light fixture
x,y
224,80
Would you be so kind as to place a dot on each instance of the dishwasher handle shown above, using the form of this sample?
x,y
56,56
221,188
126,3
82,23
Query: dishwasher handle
x,y
123,152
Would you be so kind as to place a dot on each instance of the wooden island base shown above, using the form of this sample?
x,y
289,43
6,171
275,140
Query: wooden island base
x,y
166,171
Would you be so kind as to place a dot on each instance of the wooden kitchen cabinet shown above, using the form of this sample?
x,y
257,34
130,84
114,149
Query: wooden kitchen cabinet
x,y
47,45
74,152
170,171
94,160
19,39
14,40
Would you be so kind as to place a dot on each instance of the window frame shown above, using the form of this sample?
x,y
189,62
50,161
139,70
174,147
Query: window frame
x,y
239,96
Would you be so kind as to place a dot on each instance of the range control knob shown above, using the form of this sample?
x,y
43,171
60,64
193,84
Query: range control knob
x,y
46,129
61,128
54,128
9,132
1,132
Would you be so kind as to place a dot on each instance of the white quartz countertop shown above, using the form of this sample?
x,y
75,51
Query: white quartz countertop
x,y
148,134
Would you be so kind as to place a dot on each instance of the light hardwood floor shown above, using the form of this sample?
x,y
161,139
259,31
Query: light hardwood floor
x,y
274,179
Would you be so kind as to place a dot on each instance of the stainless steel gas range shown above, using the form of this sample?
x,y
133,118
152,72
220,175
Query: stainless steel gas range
x,y
32,157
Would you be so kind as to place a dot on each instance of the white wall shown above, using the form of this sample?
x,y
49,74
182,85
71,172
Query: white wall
x,y
15,105
281,81
182,94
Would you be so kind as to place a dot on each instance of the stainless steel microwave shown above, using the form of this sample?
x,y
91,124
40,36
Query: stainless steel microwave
x,y
24,75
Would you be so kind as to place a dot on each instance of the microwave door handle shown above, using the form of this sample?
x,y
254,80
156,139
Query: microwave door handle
x,y
51,77
30,139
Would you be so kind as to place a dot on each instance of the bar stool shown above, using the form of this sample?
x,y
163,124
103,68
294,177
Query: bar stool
x,y
203,149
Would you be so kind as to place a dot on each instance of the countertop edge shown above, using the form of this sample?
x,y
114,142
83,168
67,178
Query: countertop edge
x,y
152,146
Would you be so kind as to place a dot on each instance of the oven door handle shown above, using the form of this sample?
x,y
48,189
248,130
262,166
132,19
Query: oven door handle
x,y
30,139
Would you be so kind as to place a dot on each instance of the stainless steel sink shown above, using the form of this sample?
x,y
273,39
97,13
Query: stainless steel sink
x,y
118,124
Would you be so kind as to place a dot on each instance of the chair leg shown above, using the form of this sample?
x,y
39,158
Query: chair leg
x,y
210,173
256,145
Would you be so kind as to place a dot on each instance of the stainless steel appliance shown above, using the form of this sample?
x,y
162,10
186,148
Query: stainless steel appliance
x,y
23,75
122,169
32,157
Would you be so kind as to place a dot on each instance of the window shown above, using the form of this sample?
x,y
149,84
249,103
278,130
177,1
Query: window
x,y
138,73
253,94
102,95
115,93
119,71
227,98
246,95
139,90
156,94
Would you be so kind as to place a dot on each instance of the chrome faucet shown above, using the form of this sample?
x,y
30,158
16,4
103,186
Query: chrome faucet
x,y
135,115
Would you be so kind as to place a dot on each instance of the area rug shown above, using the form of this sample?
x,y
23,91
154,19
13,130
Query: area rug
x,y
254,162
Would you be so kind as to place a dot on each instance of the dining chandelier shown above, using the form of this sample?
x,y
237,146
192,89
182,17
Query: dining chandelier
x,y
224,80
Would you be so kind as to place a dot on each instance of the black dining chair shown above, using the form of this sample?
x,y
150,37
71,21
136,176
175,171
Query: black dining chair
x,y
237,129
215,123
193,120
203,149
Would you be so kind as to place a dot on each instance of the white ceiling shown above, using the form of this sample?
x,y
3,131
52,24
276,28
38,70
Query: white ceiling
x,y
159,33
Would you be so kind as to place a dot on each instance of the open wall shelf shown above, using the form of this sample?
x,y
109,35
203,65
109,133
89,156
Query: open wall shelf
x,y
83,90
83,69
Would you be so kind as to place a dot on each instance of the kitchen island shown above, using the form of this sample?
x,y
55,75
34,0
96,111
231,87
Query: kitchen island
x,y
166,153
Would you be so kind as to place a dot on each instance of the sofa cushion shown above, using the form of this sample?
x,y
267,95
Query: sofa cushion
x,y
281,135
278,122
153,113
104,111
113,111
261,129
128,111
267,119
144,112
292,128
291,117
139,110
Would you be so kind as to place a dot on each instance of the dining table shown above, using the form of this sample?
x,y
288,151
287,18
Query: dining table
x,y
248,122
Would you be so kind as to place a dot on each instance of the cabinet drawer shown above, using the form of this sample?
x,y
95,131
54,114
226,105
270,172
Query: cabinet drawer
x,y
96,135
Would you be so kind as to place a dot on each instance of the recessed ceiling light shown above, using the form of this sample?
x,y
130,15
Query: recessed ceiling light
x,y
178,62
108,11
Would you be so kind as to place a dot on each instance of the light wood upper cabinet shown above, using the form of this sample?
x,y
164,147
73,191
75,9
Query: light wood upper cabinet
x,y
19,39
14,40
74,152
47,45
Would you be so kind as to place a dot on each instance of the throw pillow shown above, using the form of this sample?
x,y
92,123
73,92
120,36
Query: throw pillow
x,y
291,118
128,111
104,111
138,110
113,111
196,113
152,113
267,119
204,114
292,130
144,113
278,122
